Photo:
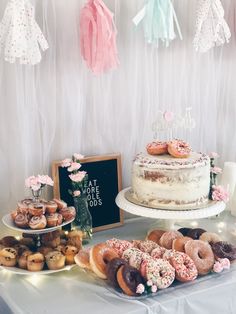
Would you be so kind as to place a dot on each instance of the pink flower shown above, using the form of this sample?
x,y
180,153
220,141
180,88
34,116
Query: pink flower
x,y
35,187
224,262
149,283
45,179
78,177
31,181
168,116
140,289
66,162
78,156
217,268
154,289
216,170
220,193
77,193
213,155
74,166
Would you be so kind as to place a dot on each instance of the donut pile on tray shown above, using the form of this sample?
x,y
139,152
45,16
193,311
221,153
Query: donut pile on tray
x,y
146,266
57,250
41,215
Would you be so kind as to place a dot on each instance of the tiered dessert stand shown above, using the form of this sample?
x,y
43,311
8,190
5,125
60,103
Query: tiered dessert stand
x,y
125,201
8,222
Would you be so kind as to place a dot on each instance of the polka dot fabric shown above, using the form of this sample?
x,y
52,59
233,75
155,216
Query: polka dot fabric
x,y
20,35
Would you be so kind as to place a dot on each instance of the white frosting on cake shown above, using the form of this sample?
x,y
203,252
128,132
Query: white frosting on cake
x,y
174,182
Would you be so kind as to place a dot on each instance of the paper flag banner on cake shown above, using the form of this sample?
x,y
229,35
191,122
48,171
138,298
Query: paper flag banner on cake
x,y
98,37
211,27
20,35
159,20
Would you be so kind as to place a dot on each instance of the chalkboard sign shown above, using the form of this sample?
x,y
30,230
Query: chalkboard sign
x,y
104,183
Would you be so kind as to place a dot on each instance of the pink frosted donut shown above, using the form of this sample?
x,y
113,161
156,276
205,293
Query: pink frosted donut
x,y
135,257
179,149
147,246
158,252
201,254
185,269
168,254
168,237
119,245
157,148
160,272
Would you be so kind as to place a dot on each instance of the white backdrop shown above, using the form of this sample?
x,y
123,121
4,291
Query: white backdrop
x,y
58,107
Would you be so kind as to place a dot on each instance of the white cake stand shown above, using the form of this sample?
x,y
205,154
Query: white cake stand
x,y
169,216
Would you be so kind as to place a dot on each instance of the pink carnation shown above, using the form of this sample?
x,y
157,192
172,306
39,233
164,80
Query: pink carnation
x,y
217,268
140,289
31,181
220,193
224,262
216,170
78,156
149,283
77,193
213,155
74,166
35,187
45,179
154,289
78,177
66,162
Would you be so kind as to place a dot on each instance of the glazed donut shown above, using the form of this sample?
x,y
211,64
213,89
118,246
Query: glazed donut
x,y
51,207
119,245
210,237
195,233
179,149
157,148
100,255
224,250
36,209
54,220
82,259
112,269
158,252
128,279
147,246
179,243
185,269
21,221
184,231
155,235
38,222
201,254
60,203
168,237
68,213
135,257
160,272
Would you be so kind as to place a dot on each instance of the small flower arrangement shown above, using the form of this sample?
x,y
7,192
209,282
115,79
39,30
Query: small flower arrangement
x,y
217,192
36,183
148,288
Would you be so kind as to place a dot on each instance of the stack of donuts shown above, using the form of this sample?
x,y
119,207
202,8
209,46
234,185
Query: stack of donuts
x,y
58,249
148,265
41,215
175,148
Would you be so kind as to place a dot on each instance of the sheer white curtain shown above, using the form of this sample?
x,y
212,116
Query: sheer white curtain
x,y
58,107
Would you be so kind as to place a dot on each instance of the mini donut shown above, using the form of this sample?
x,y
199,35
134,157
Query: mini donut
x,y
195,233
147,246
158,252
128,279
21,221
82,259
119,245
184,231
224,250
201,254
8,257
37,209
68,213
38,222
112,269
60,203
210,237
179,149
155,235
179,244
160,272
51,207
100,255
157,148
54,220
168,237
185,269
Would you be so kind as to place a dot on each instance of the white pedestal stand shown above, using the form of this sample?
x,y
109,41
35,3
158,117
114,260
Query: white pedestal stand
x,y
169,216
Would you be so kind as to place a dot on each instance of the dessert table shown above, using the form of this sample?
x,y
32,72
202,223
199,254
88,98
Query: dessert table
x,y
75,291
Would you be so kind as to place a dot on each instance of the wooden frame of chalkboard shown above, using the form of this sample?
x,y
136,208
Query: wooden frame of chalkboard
x,y
104,183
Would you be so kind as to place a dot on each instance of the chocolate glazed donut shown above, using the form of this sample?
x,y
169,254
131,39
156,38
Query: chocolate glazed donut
x,y
112,269
195,233
128,279
184,231
224,250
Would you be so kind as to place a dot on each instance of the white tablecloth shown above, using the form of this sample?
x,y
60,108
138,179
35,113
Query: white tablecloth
x,y
75,291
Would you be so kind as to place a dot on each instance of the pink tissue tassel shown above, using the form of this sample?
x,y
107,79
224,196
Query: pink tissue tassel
x,y
98,37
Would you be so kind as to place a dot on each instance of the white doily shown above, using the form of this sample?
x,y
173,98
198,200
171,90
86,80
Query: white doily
x,y
20,35
211,27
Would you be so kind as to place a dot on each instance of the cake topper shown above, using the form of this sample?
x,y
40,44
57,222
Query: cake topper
x,y
167,122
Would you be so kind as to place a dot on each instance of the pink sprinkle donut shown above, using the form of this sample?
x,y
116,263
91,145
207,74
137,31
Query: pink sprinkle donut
x,y
168,237
147,246
179,149
157,148
119,245
168,254
135,257
185,269
201,254
158,252
160,272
